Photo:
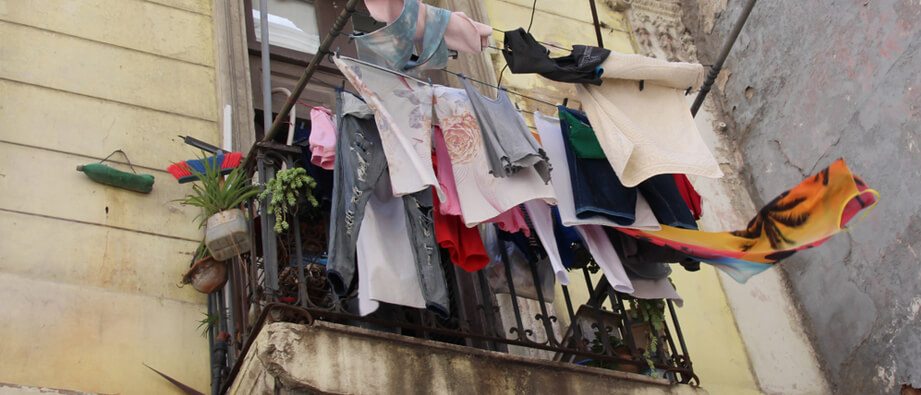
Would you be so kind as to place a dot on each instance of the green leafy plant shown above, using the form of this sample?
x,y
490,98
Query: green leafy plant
x,y
285,188
201,252
205,324
214,193
597,347
652,312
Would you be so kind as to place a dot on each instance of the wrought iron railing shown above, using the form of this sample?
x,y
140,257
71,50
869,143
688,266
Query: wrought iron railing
x,y
282,279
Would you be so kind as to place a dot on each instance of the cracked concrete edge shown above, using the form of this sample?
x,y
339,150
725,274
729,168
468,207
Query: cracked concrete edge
x,y
283,359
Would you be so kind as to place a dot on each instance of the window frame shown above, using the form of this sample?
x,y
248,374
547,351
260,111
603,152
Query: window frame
x,y
327,11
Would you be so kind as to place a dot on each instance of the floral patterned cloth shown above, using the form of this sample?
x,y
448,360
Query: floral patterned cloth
x,y
510,221
482,196
403,113
803,217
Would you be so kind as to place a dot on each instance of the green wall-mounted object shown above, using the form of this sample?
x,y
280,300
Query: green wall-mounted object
x,y
103,174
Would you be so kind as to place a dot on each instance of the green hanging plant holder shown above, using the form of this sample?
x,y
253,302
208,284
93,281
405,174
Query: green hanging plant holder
x,y
104,174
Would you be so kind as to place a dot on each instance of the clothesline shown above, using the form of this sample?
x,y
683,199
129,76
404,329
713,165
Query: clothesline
x,y
331,85
478,138
500,87
741,253
330,55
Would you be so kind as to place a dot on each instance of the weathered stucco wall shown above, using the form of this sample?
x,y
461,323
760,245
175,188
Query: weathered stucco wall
x,y
809,82
88,272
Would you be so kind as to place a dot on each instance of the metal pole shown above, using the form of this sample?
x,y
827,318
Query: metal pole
x,y
724,53
311,68
511,291
215,373
597,25
266,66
269,241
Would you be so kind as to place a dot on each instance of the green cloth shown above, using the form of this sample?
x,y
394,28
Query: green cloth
x,y
582,138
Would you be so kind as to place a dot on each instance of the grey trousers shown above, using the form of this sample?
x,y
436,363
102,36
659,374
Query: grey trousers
x,y
360,166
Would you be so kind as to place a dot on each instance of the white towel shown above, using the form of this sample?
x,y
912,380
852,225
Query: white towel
x,y
647,132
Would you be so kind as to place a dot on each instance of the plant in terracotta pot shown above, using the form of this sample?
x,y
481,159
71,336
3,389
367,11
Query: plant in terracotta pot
x,y
206,275
648,317
226,228
620,350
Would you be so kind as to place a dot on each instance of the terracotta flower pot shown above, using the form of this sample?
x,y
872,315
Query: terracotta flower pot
x,y
624,352
206,275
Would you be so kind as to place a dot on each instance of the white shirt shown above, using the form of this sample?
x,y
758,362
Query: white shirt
x,y
482,196
403,112
386,267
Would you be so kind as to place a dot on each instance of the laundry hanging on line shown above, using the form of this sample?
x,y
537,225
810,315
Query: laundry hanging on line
x,y
650,152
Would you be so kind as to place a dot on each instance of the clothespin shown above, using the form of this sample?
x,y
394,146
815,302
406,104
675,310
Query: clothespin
x,y
642,85
565,101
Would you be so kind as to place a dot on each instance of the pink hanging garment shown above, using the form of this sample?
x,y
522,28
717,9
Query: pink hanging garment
x,y
483,197
512,221
322,138
445,174
463,244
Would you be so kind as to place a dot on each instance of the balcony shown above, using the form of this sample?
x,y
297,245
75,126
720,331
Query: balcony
x,y
279,327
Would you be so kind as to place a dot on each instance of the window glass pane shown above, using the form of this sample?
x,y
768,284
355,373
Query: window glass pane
x,y
292,24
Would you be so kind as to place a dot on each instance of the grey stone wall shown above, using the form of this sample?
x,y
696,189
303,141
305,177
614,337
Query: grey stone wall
x,y
810,82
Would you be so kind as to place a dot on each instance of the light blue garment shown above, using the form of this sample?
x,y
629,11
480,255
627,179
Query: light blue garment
x,y
392,46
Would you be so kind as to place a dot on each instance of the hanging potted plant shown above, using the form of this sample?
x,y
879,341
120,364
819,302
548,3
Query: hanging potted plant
x,y
206,275
226,228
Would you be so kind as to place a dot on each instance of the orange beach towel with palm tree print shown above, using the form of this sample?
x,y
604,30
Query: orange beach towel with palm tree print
x,y
803,217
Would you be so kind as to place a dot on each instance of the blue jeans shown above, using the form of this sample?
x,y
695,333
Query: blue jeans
x,y
596,190
360,166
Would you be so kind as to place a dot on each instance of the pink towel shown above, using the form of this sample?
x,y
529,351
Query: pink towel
x,y
322,138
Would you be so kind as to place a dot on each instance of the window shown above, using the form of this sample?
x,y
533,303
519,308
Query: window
x,y
296,29
292,25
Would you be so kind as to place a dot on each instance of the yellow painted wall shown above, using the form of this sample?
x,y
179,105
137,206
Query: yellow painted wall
x,y
88,273
715,347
